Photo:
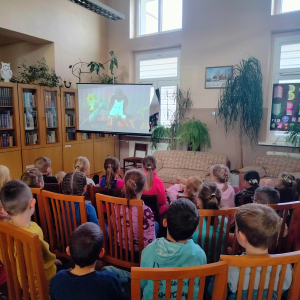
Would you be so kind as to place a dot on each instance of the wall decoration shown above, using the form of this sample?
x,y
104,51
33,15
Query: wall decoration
x,y
6,72
285,111
216,77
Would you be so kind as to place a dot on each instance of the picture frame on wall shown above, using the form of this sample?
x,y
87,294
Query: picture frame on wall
x,y
216,77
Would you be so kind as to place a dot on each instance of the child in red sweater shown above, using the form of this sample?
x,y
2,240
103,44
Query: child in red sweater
x,y
154,184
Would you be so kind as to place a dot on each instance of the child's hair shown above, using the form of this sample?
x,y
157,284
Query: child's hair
x,y
82,164
259,223
192,187
43,163
287,180
60,176
74,183
15,197
266,195
182,219
266,182
4,175
221,173
134,183
253,178
149,164
85,244
33,177
111,166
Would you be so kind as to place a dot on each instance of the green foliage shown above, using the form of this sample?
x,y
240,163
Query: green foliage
x,y
293,137
159,133
105,79
39,74
241,100
194,133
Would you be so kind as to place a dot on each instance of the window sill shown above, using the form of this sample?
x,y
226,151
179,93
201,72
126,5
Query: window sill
x,y
157,33
276,144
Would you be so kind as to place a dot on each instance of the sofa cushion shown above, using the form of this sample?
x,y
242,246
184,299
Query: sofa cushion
x,y
170,174
261,171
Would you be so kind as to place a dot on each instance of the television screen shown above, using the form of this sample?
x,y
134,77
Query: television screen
x,y
114,108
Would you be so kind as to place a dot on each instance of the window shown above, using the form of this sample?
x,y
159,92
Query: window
x,y
162,70
160,15
289,5
287,74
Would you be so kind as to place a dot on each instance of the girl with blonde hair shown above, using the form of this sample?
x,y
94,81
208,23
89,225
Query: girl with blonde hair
x,y
4,178
82,165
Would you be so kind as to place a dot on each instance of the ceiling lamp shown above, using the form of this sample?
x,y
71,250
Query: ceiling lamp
x,y
100,9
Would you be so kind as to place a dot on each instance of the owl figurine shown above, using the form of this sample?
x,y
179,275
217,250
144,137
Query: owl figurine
x,y
6,72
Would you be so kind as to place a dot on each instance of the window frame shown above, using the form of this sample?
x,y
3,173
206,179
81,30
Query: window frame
x,y
277,7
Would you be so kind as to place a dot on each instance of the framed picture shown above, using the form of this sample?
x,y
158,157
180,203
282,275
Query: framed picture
x,y
216,77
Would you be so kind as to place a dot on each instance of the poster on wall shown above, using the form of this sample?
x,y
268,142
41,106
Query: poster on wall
x,y
285,106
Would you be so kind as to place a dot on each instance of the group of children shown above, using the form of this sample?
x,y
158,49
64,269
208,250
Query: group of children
x,y
256,224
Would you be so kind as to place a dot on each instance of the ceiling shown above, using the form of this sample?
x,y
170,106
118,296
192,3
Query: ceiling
x,y
8,40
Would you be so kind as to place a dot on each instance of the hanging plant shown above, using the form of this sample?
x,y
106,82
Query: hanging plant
x,y
241,101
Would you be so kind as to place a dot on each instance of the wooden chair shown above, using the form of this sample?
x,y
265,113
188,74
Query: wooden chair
x,y
104,191
19,247
135,161
53,187
118,251
246,198
176,280
39,213
152,202
213,249
61,219
265,261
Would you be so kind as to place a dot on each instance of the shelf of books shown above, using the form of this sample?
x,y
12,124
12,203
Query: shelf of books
x,y
30,116
51,116
69,115
9,117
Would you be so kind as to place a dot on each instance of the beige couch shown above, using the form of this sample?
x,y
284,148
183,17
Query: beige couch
x,y
270,166
173,163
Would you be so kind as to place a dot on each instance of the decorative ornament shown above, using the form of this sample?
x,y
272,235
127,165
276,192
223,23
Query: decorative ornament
x,y
6,72
65,83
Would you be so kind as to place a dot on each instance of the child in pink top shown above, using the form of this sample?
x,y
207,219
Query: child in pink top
x,y
154,184
220,175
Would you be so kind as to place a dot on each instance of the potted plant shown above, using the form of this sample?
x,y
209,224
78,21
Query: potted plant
x,y
293,135
240,104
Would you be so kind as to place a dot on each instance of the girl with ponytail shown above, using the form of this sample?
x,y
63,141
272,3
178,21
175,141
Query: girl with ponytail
x,y
154,184
220,175
210,198
82,164
288,187
134,184
112,172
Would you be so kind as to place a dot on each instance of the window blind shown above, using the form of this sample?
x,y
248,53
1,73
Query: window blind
x,y
290,56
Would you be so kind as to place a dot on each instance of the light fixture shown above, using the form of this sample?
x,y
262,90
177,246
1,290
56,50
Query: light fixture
x,y
100,9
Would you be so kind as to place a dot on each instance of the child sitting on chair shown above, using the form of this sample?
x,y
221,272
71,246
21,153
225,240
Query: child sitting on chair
x,y
33,178
43,164
82,164
177,250
83,282
112,172
60,176
4,178
288,187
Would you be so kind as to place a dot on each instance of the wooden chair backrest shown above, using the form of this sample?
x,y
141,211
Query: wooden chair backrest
x,y
53,187
140,147
23,249
213,248
176,280
152,202
264,262
292,241
39,213
114,192
61,219
246,198
118,251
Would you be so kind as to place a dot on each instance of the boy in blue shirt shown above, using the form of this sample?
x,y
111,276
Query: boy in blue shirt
x,y
83,282
177,250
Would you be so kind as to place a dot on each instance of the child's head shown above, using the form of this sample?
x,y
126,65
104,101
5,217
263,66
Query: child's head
x,y
288,181
112,169
209,196
74,183
266,182
82,165
33,178
43,164
251,179
257,225
182,219
134,184
149,165
16,198
266,195
60,176
4,175
192,188
86,245
220,174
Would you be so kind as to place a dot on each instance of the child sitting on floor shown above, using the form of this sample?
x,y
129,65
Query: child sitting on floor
x,y
83,282
112,172
33,178
17,200
177,250
43,164
288,187
82,164
251,182
220,175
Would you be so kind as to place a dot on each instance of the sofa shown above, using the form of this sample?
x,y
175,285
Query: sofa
x,y
270,166
174,163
